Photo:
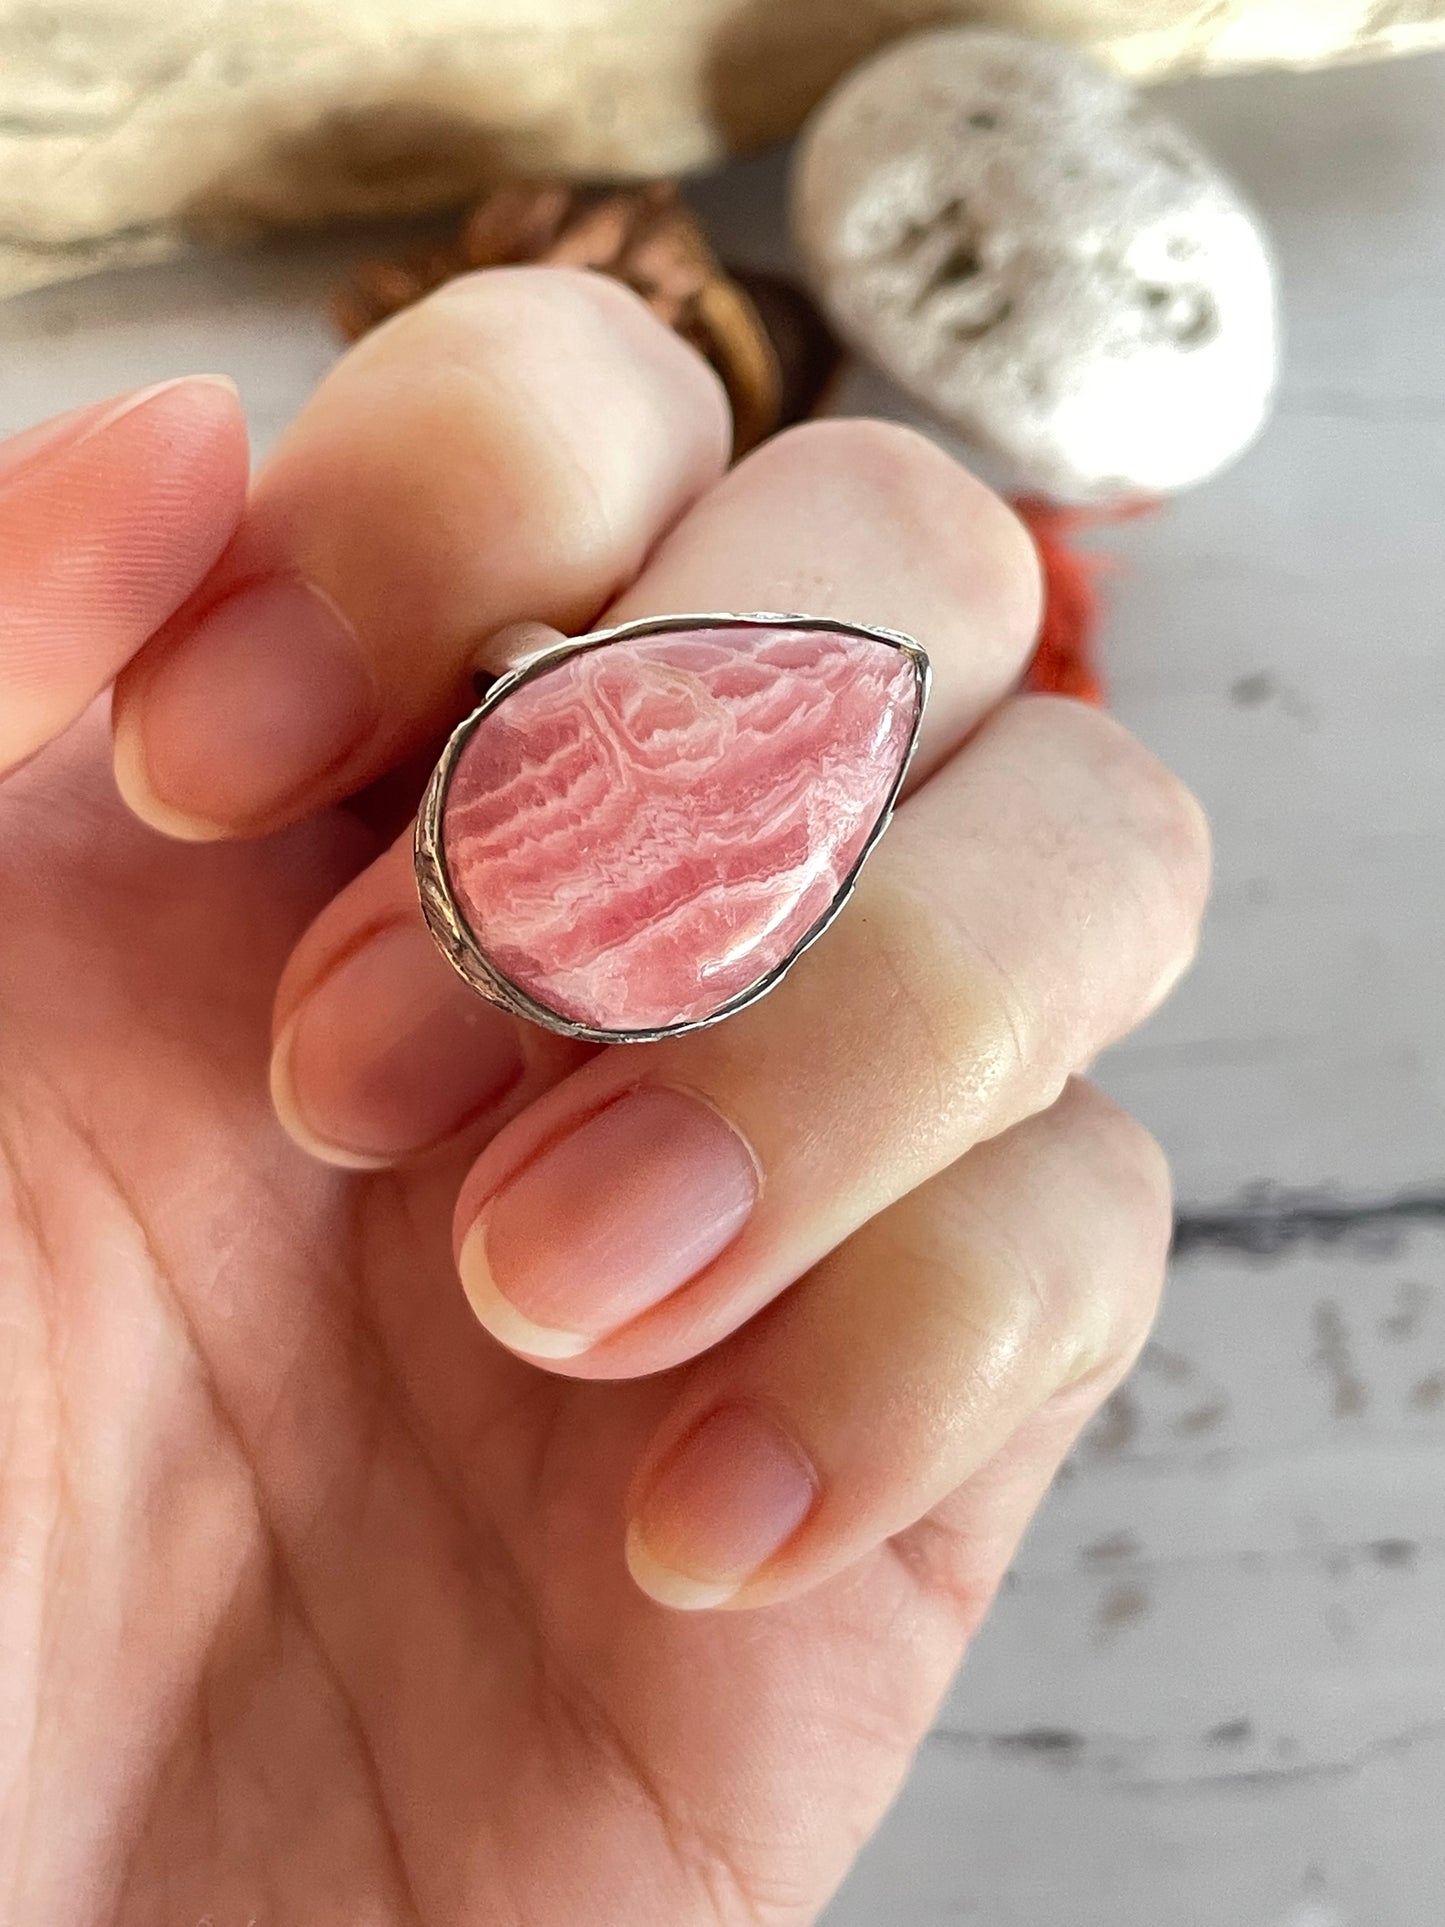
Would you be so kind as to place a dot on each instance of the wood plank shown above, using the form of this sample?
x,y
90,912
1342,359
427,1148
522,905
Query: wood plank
x,y
1280,639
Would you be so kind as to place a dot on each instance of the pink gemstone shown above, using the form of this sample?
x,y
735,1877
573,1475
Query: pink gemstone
x,y
649,829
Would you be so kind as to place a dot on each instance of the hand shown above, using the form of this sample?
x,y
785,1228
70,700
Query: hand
x,y
314,1601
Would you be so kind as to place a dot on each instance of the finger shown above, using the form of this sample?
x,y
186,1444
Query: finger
x,y
380,1048
509,448
1030,904
873,523
959,1553
1018,1283
109,517
854,519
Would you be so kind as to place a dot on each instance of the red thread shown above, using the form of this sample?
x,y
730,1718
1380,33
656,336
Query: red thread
x,y
1065,660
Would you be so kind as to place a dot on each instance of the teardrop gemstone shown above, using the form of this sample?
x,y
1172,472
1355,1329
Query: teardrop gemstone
x,y
650,828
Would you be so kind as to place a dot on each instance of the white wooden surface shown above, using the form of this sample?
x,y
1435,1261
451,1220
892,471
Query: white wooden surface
x,y
1213,1694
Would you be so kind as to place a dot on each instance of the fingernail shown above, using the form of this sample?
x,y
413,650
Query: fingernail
x,y
607,1222
61,432
722,1503
390,1053
266,694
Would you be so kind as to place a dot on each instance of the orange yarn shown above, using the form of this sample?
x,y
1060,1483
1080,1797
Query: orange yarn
x,y
1064,662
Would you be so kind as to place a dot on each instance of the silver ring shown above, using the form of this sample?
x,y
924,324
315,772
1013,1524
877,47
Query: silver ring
x,y
562,843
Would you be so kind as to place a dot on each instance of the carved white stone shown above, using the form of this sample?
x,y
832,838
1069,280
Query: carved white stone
x,y
129,127
1056,271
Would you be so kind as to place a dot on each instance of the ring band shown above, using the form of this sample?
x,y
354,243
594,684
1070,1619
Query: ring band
x,y
638,831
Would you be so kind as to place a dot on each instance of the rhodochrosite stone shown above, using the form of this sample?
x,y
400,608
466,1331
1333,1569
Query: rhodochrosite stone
x,y
650,828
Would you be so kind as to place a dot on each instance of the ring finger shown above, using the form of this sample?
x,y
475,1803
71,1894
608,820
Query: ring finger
x,y
1030,902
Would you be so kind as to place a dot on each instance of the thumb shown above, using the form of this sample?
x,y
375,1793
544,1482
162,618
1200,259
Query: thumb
x,y
109,517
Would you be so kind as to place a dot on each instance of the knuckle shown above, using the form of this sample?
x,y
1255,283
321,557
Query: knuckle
x,y
902,478
1178,825
552,298
956,1017
1130,1160
918,486
872,451
898,463
1099,1169
920,1039
1158,814
1167,816
935,522
1137,1216
516,419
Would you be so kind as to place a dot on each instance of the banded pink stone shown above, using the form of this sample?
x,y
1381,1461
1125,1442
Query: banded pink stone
x,y
648,829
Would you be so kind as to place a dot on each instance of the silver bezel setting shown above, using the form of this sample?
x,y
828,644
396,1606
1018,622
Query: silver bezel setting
x,y
443,913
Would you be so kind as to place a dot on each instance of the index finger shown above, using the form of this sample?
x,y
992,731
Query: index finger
x,y
109,517
511,447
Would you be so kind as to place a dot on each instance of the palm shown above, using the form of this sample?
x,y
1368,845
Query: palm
x,y
316,1597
